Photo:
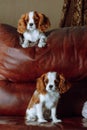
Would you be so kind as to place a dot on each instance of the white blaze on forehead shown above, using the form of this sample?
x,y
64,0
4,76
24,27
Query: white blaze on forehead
x,y
31,15
51,77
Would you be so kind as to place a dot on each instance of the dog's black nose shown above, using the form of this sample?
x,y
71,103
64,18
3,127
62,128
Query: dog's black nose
x,y
31,24
50,86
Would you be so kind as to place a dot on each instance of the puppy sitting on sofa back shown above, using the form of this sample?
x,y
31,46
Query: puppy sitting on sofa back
x,y
32,26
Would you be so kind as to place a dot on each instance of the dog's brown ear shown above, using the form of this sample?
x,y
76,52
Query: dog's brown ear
x,y
40,85
64,85
44,22
22,23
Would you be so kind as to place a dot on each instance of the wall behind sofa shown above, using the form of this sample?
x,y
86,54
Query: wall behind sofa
x,y
11,10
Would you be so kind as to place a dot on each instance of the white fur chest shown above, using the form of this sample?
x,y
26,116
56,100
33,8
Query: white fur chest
x,y
50,99
32,35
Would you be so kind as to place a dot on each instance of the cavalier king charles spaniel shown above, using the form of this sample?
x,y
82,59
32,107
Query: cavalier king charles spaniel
x,y
43,103
32,26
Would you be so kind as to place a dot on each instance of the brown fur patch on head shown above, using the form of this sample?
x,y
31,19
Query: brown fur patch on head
x,y
44,22
22,23
63,85
41,87
57,81
36,19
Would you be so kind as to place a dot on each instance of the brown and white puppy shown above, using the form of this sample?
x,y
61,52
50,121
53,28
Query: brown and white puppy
x,y
32,26
46,96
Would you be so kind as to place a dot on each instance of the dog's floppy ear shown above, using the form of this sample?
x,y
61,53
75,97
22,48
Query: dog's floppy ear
x,y
64,85
44,22
40,85
22,23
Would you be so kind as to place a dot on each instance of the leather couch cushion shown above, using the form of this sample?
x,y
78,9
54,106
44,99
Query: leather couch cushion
x,y
66,52
14,98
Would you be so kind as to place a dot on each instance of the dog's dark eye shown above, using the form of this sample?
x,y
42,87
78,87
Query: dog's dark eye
x,y
46,81
26,20
56,82
36,22
36,19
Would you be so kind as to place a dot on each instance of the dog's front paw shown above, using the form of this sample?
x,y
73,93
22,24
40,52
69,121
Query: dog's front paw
x,y
57,120
41,44
42,120
25,45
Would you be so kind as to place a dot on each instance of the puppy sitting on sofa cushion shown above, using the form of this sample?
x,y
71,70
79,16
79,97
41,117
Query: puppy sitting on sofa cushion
x,y
66,52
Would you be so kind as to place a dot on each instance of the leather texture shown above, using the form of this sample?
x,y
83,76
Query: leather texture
x,y
19,123
66,52
14,98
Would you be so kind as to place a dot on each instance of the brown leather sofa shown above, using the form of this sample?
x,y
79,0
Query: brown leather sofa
x,y
66,52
